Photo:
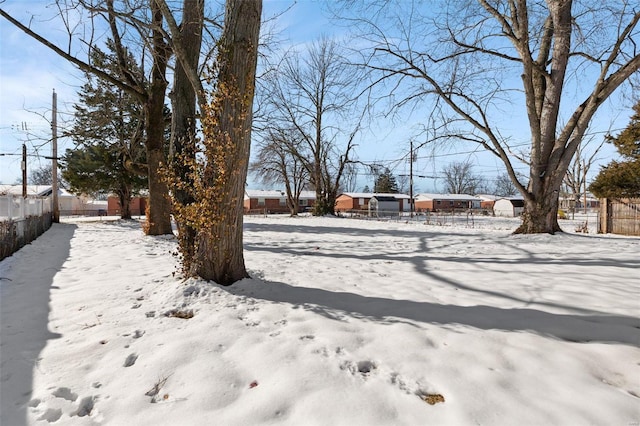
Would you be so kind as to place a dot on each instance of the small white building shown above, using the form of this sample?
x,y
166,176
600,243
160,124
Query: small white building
x,y
383,205
508,207
359,201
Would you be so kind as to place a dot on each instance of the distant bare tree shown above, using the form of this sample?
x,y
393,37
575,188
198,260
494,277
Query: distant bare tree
x,y
403,184
504,186
459,178
350,180
277,163
575,179
307,95
44,176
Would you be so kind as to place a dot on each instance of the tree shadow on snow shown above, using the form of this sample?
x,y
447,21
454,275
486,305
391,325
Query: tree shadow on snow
x,y
579,324
340,305
423,257
26,280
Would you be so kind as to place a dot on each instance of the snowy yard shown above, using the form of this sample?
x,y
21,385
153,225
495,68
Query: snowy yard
x,y
344,322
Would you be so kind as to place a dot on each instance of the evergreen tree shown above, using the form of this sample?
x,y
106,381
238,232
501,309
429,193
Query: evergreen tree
x,y
628,141
99,169
108,132
386,183
621,179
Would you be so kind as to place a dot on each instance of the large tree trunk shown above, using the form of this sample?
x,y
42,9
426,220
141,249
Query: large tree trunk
x,y
183,120
548,166
540,214
159,208
227,128
124,196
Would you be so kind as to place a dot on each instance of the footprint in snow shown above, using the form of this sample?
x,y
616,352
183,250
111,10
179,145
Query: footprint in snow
x,y
307,337
65,393
131,359
362,368
51,415
86,407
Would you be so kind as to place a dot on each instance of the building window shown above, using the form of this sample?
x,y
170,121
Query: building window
x,y
303,202
261,201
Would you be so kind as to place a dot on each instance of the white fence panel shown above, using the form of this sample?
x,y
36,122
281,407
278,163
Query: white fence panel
x,y
22,220
13,207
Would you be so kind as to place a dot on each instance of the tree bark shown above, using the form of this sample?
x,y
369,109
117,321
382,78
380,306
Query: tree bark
x,y
227,128
541,200
183,118
124,196
159,208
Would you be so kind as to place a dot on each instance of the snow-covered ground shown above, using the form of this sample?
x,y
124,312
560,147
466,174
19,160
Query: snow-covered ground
x,y
344,322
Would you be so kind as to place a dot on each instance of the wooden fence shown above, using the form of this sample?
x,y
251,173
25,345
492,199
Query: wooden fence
x,y
620,216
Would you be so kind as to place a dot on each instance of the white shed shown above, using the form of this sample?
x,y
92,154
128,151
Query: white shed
x,y
508,207
384,205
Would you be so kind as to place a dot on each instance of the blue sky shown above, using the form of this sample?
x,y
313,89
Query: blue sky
x,y
29,72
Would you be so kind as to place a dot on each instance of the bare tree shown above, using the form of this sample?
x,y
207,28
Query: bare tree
x,y
44,176
226,123
575,178
404,183
214,171
276,163
213,206
186,94
308,95
503,186
350,178
459,178
489,55
158,218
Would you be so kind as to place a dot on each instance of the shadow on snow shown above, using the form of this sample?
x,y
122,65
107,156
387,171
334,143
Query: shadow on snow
x,y
26,280
585,325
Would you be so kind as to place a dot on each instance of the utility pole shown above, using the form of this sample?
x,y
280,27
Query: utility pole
x,y
54,158
584,181
24,170
411,179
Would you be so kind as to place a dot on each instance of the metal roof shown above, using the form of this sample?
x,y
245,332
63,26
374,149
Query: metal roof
x,y
271,194
375,194
459,197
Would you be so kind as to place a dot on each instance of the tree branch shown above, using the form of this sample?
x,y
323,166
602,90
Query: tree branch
x,y
134,91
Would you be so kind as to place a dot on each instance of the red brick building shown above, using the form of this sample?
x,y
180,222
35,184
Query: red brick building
x,y
355,201
137,205
446,202
260,201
